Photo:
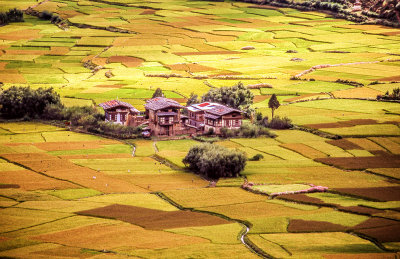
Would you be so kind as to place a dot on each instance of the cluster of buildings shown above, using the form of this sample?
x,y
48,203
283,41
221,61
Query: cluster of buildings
x,y
166,117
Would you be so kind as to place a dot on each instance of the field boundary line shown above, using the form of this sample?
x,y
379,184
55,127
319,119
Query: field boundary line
x,y
41,173
242,235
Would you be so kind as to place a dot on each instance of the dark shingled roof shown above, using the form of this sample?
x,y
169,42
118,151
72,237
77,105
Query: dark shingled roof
x,y
116,103
210,116
222,110
161,103
166,113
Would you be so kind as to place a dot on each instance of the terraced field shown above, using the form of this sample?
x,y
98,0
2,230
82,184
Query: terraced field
x,y
74,195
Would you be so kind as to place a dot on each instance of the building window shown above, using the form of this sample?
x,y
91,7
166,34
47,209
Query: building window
x,y
162,119
237,122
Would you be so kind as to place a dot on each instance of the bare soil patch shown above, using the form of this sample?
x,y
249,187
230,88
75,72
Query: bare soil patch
x,y
383,234
375,193
125,60
9,186
155,219
360,210
392,161
392,78
344,144
299,225
149,11
375,223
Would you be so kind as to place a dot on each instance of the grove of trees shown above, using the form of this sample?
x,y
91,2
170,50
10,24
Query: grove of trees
x,y
12,15
215,161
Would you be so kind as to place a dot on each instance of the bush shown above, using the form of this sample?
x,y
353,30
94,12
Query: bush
x,y
278,123
256,157
246,131
215,161
13,15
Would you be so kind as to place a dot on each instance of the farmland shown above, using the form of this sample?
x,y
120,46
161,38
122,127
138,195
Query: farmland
x,y
64,193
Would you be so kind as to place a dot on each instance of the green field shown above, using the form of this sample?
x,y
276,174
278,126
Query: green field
x,y
67,194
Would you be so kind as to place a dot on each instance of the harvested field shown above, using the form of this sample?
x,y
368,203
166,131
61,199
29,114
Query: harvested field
x,y
298,226
73,252
344,144
304,150
95,156
190,67
222,52
28,180
102,236
353,163
388,144
155,219
361,256
377,193
391,172
360,210
301,198
358,92
197,198
342,124
366,144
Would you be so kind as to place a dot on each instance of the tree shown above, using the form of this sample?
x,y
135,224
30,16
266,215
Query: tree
x,y
158,93
17,102
273,104
193,99
237,96
215,161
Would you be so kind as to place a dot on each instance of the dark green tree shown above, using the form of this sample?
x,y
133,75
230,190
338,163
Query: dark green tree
x,y
193,99
215,161
237,96
158,93
273,104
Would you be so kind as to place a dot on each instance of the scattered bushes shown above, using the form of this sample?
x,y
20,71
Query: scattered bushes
x,y
395,95
215,161
348,82
246,131
13,15
53,18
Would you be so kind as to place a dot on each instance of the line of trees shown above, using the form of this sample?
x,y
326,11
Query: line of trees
x,y
12,15
45,104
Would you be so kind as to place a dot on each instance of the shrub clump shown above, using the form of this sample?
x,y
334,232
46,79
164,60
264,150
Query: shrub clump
x,y
18,102
246,131
215,161
12,15
395,95
277,123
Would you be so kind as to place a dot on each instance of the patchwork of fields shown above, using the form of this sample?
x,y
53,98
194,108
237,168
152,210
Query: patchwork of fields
x,y
66,194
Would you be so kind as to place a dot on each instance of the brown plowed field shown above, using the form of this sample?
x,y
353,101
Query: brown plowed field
x,y
375,223
375,193
344,144
299,225
361,210
155,219
383,234
362,162
302,198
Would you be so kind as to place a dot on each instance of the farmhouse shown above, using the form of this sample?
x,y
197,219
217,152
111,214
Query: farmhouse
x,y
119,112
164,116
213,116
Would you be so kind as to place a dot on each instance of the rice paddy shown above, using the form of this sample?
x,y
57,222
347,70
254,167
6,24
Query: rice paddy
x,y
64,193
